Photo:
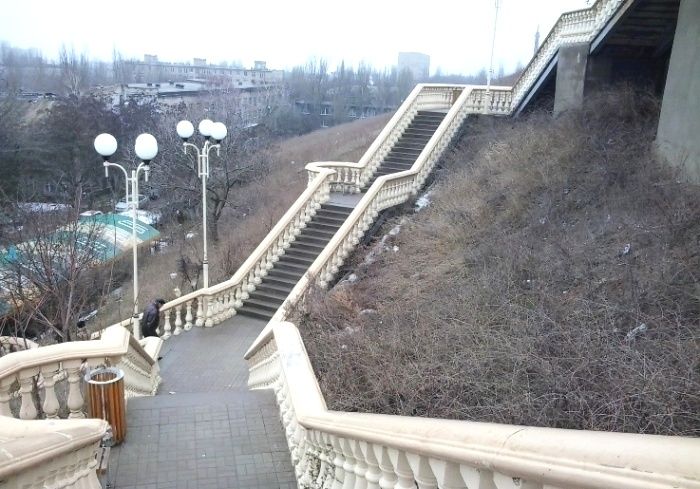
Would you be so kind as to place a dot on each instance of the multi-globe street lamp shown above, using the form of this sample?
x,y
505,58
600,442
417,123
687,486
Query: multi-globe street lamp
x,y
146,148
213,132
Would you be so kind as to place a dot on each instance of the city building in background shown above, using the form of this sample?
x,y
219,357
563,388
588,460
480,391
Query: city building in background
x,y
417,63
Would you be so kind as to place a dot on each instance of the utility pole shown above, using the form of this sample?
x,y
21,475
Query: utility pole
x,y
493,44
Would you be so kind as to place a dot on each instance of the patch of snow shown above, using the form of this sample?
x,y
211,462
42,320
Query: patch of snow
x,y
422,202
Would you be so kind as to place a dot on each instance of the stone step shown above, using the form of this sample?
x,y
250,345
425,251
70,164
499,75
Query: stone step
x,y
289,275
284,264
273,290
296,259
264,303
255,312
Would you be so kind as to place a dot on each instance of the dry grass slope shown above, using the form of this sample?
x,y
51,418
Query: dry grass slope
x,y
552,282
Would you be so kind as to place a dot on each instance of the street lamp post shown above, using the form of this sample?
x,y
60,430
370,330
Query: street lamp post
x,y
146,149
212,131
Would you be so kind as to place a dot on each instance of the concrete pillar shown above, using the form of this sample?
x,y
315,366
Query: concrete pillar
x,y
678,136
571,77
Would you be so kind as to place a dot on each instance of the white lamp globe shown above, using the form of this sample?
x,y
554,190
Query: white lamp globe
x,y
185,129
218,131
146,147
205,127
105,145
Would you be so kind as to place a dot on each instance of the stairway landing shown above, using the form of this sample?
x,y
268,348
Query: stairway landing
x,y
211,432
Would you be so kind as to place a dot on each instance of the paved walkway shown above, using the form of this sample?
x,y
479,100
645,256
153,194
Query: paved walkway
x,y
204,429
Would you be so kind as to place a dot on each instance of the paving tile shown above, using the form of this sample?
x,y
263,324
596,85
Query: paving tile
x,y
212,432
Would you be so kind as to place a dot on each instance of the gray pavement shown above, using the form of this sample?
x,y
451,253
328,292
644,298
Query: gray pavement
x,y
204,429
345,200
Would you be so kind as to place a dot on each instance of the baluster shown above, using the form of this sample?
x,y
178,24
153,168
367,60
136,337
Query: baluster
x,y
287,238
401,469
269,260
447,474
350,481
238,297
188,316
51,406
373,473
360,465
388,479
26,387
167,328
220,307
422,472
339,463
178,320
325,468
5,386
200,312
250,282
209,321
75,397
477,478
225,305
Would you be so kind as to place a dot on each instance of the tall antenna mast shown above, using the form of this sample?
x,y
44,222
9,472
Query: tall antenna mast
x,y
493,44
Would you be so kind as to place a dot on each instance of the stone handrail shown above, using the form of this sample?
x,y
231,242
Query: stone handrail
x,y
387,191
346,178
351,177
207,307
49,453
574,27
354,450
31,375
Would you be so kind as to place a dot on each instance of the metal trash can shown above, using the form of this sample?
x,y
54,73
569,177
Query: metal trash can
x,y
106,401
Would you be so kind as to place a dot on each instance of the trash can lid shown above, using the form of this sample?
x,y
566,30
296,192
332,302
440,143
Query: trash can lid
x,y
118,375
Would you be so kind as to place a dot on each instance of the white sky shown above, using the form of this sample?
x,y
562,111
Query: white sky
x,y
455,33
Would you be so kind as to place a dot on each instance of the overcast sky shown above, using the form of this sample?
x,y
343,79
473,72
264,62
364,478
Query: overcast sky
x,y
455,33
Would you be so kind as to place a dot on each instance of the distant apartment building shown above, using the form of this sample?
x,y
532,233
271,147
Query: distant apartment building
x,y
154,71
417,63
257,91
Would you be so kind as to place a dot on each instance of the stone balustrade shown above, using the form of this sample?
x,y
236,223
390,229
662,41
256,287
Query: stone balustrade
x,y
344,450
30,379
347,177
572,27
52,454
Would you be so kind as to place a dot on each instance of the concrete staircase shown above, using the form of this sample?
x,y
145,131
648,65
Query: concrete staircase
x,y
404,153
275,287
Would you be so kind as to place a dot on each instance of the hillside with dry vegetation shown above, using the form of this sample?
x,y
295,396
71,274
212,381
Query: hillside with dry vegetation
x,y
552,281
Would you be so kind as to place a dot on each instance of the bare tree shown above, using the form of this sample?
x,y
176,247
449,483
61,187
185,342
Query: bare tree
x,y
46,274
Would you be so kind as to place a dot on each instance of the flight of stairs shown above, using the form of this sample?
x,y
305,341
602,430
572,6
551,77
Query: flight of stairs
x,y
279,282
404,153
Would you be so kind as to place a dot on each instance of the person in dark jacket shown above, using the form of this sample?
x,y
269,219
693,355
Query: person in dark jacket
x,y
151,318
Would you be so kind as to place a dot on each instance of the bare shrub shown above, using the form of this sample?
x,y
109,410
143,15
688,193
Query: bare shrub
x,y
552,282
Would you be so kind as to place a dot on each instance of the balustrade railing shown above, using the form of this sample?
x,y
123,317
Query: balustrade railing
x,y
30,379
351,177
579,26
345,450
49,454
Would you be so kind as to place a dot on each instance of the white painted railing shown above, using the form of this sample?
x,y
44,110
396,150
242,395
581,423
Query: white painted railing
x,y
208,307
49,453
343,450
28,379
580,26
351,177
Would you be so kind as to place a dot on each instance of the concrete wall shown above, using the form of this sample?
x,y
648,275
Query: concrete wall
x,y
571,77
678,136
